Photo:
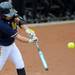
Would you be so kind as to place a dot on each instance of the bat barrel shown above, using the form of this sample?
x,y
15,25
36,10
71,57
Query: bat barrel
x,y
41,55
43,60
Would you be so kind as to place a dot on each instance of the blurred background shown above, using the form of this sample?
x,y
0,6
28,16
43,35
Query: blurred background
x,y
37,11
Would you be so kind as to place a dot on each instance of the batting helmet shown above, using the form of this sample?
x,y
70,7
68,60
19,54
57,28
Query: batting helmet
x,y
7,9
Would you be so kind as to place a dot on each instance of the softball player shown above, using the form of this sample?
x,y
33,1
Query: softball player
x,y
9,22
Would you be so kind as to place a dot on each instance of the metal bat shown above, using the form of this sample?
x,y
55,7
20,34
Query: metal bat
x,y
41,55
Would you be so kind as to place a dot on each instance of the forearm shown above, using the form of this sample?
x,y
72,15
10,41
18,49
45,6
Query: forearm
x,y
26,40
30,33
21,38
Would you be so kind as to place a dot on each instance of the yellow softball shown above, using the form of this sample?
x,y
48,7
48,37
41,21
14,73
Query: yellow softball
x,y
71,45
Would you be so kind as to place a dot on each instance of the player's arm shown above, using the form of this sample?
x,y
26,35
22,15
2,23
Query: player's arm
x,y
21,38
31,33
25,39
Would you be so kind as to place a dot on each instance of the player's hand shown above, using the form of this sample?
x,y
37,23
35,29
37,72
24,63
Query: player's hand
x,y
30,33
33,40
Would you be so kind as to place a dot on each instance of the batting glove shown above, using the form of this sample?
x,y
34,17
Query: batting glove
x,y
33,40
31,33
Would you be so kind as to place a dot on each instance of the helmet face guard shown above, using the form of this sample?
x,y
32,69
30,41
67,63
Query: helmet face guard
x,y
10,13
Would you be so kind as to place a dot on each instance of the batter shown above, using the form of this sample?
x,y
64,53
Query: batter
x,y
9,22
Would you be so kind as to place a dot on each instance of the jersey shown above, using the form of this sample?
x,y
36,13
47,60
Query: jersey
x,y
8,31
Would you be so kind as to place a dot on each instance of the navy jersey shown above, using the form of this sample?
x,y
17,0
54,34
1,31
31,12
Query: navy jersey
x,y
8,31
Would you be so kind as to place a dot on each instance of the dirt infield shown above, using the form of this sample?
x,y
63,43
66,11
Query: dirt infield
x,y
53,40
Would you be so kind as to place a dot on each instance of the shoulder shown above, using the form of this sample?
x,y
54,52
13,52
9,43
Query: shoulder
x,y
2,23
4,26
